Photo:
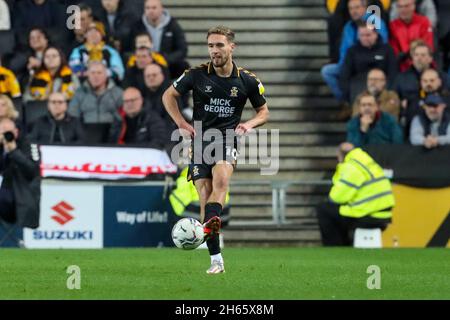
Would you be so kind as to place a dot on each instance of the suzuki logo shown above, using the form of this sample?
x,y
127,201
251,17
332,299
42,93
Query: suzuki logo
x,y
63,215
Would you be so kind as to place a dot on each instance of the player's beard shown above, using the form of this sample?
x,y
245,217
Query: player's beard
x,y
223,61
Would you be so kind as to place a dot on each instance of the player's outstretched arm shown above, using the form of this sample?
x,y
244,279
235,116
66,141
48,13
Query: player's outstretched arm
x,y
170,103
261,117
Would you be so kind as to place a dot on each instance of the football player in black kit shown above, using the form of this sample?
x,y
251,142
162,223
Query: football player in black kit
x,y
220,91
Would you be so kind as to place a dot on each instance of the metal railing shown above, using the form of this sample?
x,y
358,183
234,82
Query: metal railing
x,y
279,188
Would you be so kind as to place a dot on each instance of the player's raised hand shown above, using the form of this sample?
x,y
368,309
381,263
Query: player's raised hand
x,y
187,129
242,129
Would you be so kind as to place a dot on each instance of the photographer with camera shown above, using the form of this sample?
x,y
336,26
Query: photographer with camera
x,y
20,177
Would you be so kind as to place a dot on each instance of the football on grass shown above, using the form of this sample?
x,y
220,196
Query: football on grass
x,y
187,233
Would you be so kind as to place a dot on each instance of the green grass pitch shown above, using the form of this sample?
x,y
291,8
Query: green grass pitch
x,y
251,273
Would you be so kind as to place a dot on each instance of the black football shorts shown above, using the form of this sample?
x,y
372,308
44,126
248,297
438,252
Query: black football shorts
x,y
205,154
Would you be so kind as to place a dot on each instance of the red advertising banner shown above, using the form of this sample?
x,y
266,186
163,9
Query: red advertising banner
x,y
109,163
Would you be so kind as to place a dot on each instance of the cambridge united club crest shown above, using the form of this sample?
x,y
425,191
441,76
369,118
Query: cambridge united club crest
x,y
234,92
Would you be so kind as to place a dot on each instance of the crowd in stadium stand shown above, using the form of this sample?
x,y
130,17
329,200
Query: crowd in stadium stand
x,y
64,83
393,68
116,46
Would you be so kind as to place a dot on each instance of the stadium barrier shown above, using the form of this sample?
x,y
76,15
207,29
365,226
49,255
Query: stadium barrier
x,y
89,201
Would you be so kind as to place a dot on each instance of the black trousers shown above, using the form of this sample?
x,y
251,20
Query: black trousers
x,y
7,206
337,230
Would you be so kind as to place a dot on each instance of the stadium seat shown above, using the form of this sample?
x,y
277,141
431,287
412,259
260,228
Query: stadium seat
x,y
367,238
32,111
8,42
96,133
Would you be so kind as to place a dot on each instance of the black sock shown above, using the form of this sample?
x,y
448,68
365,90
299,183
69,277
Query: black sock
x,y
213,244
213,209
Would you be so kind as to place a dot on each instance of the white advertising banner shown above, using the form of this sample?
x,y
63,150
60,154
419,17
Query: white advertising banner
x,y
71,217
107,163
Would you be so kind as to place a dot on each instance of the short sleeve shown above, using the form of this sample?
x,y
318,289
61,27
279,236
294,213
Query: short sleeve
x,y
256,93
184,83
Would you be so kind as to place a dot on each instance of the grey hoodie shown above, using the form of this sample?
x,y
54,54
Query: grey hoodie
x,y
157,32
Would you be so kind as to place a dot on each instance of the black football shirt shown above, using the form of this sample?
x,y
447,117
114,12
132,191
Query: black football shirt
x,y
218,101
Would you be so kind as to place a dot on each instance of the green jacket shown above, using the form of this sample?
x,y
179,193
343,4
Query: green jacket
x,y
385,130
361,188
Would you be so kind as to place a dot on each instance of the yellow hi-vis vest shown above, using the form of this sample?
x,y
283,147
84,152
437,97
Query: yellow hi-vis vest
x,y
185,193
362,188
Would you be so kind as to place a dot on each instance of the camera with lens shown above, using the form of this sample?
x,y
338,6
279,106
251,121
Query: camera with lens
x,y
9,136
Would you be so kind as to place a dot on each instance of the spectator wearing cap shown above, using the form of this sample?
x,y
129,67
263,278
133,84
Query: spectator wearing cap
x,y
371,125
408,27
95,49
431,127
430,83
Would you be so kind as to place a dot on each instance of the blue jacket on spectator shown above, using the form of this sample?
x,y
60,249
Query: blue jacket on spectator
x,y
385,130
350,36
79,60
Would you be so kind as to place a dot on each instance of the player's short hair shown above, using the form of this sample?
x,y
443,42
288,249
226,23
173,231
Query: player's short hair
x,y
222,30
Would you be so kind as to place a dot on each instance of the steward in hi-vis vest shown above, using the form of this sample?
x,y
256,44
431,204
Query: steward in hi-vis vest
x,y
361,187
361,197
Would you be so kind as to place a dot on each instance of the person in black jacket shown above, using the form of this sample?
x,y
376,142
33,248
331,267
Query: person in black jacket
x,y
118,22
368,53
167,35
339,17
407,83
156,84
20,187
37,13
57,126
138,127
